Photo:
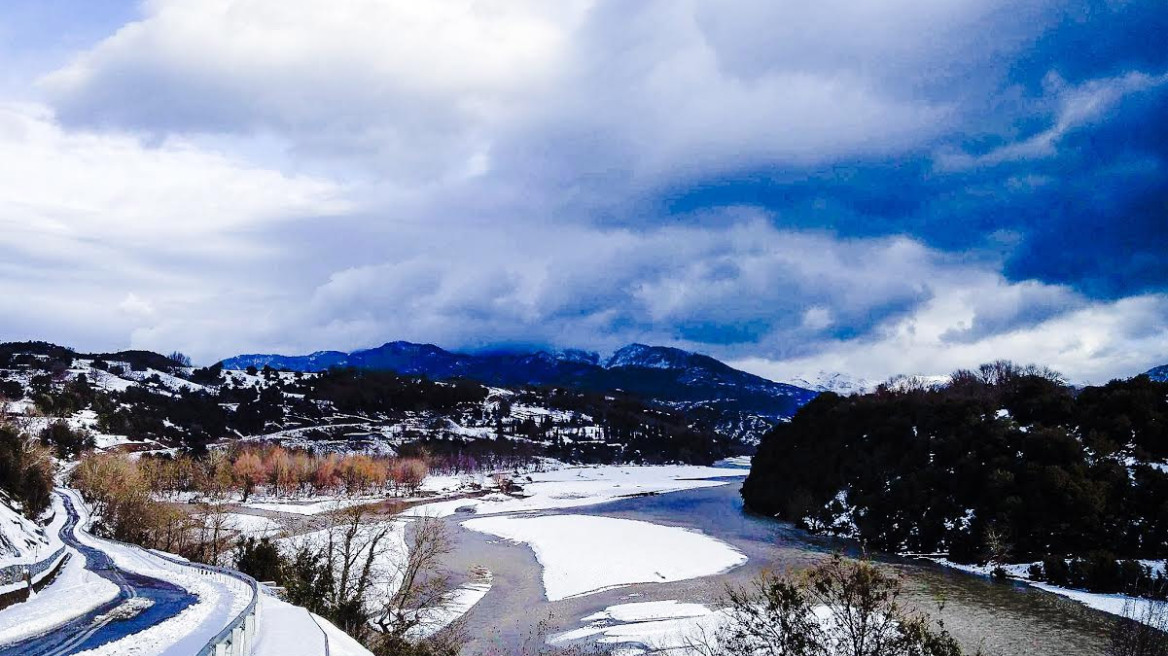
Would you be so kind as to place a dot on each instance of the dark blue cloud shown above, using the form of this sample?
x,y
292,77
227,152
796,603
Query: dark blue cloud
x,y
1092,213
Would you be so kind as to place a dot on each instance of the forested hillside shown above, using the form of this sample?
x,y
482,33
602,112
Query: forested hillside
x,y
146,402
1004,464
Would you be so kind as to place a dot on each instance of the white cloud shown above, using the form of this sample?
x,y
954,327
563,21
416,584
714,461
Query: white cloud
x,y
229,175
430,91
92,224
1092,344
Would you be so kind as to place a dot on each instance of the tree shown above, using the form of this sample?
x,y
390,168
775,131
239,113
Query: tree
x,y
249,471
259,559
841,607
68,443
283,476
423,587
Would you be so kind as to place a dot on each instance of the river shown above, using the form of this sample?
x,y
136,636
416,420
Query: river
x,y
1000,618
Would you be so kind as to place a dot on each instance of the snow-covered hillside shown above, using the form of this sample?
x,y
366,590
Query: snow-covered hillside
x,y
129,405
22,540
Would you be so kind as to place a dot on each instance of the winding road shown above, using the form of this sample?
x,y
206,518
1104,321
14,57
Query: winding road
x,y
141,602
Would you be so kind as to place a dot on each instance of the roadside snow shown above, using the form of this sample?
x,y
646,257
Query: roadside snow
x,y
75,591
287,630
340,643
582,554
220,599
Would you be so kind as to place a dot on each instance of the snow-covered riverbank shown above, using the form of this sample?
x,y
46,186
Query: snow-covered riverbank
x,y
1137,608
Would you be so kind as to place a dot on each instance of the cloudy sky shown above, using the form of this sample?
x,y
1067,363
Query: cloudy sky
x,y
868,186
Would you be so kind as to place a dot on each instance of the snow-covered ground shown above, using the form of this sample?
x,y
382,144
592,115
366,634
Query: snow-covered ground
x,y
23,541
581,554
74,592
287,630
573,487
463,599
655,626
310,507
220,599
253,525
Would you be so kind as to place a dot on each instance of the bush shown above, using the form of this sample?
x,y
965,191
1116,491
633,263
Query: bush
x,y
777,614
67,442
259,559
26,471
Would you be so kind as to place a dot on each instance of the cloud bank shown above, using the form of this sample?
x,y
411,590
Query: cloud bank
x,y
869,187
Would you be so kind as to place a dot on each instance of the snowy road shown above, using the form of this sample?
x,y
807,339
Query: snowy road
x,y
148,615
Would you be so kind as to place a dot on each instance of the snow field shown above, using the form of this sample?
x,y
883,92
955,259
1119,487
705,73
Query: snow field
x,y
574,487
655,626
253,525
582,554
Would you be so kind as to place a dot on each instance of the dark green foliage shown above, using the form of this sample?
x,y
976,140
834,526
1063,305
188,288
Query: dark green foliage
x,y
212,375
1102,572
11,390
34,356
308,580
140,360
67,442
25,475
259,559
353,390
76,394
945,470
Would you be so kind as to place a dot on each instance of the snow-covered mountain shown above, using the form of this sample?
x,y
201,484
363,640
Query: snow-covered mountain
x,y
1158,373
833,381
697,384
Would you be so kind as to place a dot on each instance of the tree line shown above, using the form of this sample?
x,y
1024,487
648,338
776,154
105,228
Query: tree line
x,y
1003,464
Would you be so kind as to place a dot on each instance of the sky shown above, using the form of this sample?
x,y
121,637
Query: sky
x,y
869,187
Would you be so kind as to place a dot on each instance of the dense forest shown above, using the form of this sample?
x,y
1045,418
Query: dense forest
x,y
1005,464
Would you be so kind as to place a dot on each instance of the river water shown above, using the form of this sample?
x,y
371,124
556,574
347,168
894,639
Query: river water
x,y
1000,618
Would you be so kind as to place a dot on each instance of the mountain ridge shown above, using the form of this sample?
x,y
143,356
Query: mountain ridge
x,y
1159,373
672,377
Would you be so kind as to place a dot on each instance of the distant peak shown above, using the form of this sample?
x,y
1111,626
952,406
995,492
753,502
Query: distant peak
x,y
1158,373
577,355
651,357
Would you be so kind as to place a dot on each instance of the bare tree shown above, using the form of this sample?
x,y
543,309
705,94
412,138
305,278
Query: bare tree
x,y
422,588
840,607
1143,630
213,517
